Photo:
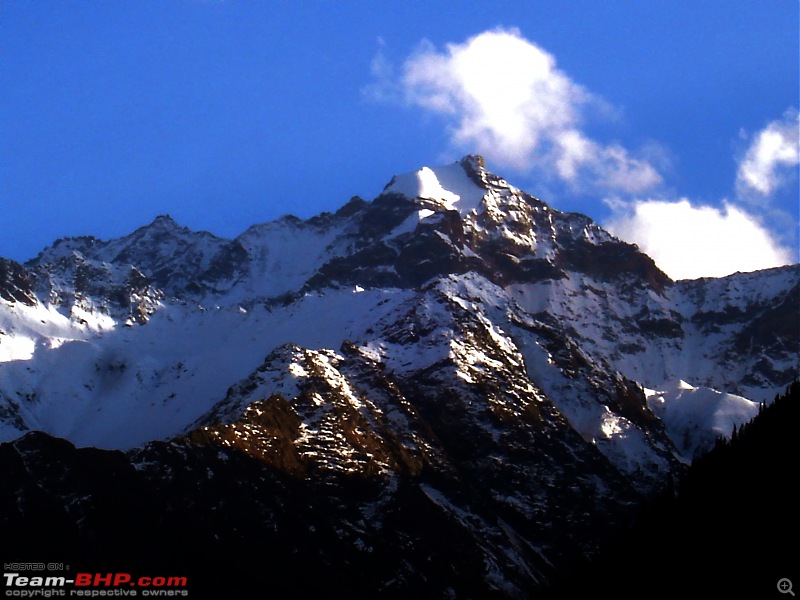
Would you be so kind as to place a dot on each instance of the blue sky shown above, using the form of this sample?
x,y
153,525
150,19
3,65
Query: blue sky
x,y
674,123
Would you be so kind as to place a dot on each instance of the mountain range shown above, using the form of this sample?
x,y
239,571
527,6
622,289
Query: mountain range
x,y
449,390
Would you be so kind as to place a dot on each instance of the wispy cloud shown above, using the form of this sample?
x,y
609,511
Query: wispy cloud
x,y
688,241
771,158
504,96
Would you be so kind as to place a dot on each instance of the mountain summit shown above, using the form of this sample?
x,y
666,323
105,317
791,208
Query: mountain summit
x,y
458,345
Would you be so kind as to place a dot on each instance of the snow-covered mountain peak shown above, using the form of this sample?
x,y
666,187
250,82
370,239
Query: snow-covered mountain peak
x,y
164,222
465,279
455,186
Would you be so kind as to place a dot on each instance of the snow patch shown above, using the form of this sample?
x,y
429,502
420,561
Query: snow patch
x,y
448,185
696,416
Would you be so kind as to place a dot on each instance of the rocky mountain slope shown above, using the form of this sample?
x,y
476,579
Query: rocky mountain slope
x,y
453,367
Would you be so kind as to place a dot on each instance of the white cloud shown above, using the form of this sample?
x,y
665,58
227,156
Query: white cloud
x,y
383,87
688,241
505,97
773,152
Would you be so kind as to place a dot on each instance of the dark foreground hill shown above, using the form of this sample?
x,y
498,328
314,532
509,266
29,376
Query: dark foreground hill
x,y
729,528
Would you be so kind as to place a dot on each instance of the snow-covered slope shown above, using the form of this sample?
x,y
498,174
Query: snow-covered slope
x,y
696,417
738,333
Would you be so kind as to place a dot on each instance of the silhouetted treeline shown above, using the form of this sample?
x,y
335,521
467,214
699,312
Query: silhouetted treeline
x,y
728,527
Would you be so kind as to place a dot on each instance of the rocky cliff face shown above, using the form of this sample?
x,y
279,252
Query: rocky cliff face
x,y
453,386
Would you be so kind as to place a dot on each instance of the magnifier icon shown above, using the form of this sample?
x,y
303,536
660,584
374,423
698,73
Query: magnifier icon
x,y
785,586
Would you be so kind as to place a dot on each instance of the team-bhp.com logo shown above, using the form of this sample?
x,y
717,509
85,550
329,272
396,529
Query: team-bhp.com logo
x,y
93,585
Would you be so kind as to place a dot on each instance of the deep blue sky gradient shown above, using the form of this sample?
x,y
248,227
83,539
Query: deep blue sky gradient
x,y
228,113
